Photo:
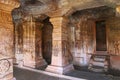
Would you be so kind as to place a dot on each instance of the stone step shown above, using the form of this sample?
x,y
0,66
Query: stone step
x,y
99,59
99,56
98,62
101,64
97,70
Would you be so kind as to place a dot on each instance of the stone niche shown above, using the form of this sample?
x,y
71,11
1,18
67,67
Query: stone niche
x,y
113,27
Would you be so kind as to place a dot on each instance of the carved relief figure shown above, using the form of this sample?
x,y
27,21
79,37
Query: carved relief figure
x,y
64,49
55,50
38,48
4,66
86,44
116,47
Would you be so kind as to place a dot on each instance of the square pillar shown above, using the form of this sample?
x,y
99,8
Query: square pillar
x,y
60,56
18,42
32,45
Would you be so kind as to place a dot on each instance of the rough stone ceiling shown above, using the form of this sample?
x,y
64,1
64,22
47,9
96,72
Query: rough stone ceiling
x,y
62,7
52,8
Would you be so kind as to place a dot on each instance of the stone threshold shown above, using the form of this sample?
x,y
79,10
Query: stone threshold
x,y
49,73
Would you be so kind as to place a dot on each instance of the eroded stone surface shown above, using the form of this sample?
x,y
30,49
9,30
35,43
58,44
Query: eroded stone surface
x,y
6,39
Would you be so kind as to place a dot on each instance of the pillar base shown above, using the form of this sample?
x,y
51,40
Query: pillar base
x,y
18,60
36,64
60,69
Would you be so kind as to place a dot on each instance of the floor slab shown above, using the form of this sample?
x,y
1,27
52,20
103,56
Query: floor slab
x,y
23,73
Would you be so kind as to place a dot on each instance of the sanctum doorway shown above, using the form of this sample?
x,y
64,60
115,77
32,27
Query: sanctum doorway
x,y
101,44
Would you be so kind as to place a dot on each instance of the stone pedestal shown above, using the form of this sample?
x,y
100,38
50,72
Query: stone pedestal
x,y
32,44
60,56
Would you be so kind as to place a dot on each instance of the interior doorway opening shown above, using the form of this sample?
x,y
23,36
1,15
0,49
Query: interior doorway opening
x,y
101,44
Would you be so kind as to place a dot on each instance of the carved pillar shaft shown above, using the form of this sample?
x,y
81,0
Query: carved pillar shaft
x,y
18,36
32,45
60,62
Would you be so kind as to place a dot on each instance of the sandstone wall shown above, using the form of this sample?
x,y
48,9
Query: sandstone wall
x,y
6,34
113,27
82,38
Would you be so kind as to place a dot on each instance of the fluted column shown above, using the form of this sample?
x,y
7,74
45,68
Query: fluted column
x,y
6,39
32,45
60,56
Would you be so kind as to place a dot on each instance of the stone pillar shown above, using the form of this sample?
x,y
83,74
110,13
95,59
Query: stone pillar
x,y
60,57
18,42
18,36
32,45
6,38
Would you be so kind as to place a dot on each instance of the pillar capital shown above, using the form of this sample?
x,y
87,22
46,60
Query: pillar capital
x,y
60,20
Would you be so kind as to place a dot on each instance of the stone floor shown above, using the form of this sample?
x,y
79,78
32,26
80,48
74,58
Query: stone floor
x,y
33,74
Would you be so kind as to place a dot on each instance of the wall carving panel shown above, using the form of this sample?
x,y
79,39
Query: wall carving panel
x,y
6,68
84,39
6,33
113,27
5,17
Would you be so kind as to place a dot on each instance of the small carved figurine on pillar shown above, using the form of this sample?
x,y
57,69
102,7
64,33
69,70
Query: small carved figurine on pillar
x,y
116,47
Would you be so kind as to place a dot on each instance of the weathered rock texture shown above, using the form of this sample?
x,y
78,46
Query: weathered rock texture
x,y
6,39
53,8
6,68
113,27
